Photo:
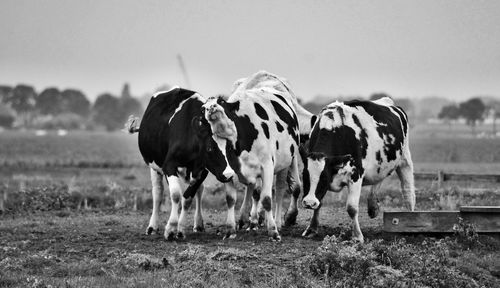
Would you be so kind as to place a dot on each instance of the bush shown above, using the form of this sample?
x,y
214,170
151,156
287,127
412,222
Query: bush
x,y
387,264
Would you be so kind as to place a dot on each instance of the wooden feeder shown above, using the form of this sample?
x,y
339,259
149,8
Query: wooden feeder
x,y
485,218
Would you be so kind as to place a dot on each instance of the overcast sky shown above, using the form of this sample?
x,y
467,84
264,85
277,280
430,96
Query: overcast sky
x,y
404,48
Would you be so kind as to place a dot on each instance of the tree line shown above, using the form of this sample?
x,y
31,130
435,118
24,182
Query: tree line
x,y
22,107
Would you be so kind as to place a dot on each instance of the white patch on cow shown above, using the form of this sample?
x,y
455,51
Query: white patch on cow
x,y
155,167
315,168
385,101
194,96
250,166
166,91
343,177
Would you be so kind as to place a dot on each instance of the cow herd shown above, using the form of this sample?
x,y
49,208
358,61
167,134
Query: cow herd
x,y
262,137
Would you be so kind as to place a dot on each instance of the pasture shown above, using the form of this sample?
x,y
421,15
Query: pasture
x,y
77,208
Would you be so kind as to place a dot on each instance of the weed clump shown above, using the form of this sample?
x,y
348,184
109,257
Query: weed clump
x,y
383,263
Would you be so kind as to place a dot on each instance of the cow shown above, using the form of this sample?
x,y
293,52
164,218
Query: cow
x,y
261,122
354,144
176,142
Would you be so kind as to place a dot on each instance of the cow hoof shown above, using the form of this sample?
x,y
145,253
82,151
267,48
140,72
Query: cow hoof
x,y
358,239
150,230
229,235
170,236
275,236
291,218
309,233
198,229
180,236
242,224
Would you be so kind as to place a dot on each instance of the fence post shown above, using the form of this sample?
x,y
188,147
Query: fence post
x,y
3,198
440,179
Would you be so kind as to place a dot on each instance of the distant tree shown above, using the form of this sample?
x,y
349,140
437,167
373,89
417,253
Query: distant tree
x,y
105,112
5,93
376,96
7,116
74,101
129,106
23,100
473,110
449,113
49,102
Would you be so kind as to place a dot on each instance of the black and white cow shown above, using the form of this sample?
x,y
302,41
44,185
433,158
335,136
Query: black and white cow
x,y
353,144
260,121
176,141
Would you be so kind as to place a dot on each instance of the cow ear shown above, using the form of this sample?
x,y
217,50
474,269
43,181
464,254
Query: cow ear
x,y
338,162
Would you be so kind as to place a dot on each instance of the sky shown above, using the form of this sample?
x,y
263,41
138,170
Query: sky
x,y
448,48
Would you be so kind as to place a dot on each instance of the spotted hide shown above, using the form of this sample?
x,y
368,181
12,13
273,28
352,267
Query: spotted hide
x,y
261,123
175,141
354,144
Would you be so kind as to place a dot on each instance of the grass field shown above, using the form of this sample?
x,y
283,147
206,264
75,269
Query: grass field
x,y
49,238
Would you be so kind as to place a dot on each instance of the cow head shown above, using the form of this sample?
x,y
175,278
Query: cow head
x,y
222,126
212,150
323,173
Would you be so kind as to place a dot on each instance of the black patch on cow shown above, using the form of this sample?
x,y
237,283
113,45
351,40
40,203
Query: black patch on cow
x,y
339,141
256,194
388,124
287,119
351,211
313,120
363,136
230,201
403,117
176,197
329,114
286,103
279,127
261,112
378,157
277,145
266,129
266,203
292,150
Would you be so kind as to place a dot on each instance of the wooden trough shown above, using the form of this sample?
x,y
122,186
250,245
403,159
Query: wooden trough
x,y
485,218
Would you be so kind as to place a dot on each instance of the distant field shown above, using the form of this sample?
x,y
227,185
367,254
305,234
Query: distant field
x,y
457,152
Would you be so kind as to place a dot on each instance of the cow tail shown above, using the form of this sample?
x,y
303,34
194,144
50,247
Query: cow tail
x,y
132,125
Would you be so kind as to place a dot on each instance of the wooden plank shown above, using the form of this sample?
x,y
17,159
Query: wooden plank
x,y
480,209
484,222
420,222
425,176
472,177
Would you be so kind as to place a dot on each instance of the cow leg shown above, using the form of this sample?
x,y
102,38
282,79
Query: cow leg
x,y
254,213
294,184
353,208
281,187
405,174
373,203
175,198
266,200
185,205
312,229
231,220
245,208
198,216
157,191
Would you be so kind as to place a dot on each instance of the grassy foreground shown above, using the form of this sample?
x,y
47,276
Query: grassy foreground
x,y
107,248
